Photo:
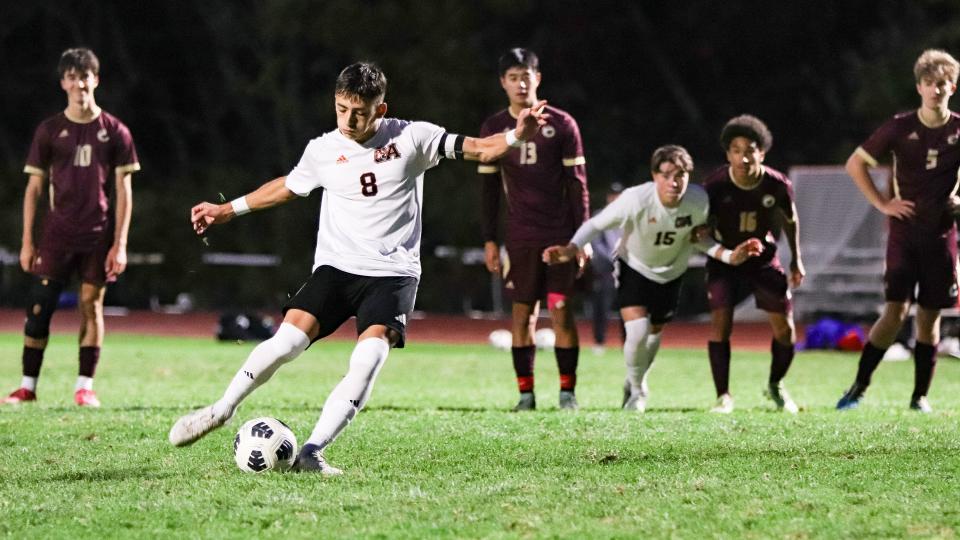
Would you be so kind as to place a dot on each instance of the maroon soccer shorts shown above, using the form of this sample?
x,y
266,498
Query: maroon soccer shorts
x,y
58,262
529,279
921,261
727,285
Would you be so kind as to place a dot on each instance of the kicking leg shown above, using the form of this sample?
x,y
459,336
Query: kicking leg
x,y
291,339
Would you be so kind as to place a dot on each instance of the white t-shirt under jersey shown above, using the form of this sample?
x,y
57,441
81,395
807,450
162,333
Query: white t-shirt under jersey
x,y
372,208
656,239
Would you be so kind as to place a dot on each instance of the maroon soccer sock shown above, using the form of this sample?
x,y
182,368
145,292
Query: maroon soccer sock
x,y
869,360
924,363
781,357
32,360
720,365
567,359
523,359
89,356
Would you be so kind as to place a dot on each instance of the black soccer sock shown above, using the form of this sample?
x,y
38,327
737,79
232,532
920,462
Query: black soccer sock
x,y
869,360
32,360
924,363
89,356
523,359
567,359
781,356
719,352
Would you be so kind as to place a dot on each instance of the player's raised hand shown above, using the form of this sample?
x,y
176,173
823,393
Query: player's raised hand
x,y
560,254
750,247
529,120
898,208
205,214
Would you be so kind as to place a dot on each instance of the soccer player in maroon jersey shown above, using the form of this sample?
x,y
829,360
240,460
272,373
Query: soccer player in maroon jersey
x,y
922,244
751,200
81,151
545,181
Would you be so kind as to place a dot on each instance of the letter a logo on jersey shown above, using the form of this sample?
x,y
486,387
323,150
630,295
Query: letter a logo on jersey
x,y
386,153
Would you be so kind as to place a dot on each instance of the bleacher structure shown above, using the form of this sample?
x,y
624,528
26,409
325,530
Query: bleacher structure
x,y
842,241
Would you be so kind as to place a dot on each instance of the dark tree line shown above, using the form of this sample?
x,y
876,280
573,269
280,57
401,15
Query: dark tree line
x,y
222,95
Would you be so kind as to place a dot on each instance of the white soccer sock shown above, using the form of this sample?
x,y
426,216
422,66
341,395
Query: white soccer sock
x,y
653,346
83,383
352,392
635,351
264,360
30,383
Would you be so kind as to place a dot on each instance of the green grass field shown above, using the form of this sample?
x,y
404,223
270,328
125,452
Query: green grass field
x,y
436,454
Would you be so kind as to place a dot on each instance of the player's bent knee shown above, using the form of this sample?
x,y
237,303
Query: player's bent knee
x,y
288,342
44,295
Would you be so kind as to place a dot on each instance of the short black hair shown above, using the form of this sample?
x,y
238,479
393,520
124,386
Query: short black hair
x,y
518,57
80,59
364,80
747,126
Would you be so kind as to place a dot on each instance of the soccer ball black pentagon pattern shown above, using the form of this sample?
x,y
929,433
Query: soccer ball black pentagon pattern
x,y
263,444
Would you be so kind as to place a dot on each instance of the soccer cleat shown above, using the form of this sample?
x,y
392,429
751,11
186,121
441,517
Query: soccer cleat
x,y
634,400
778,394
527,402
921,405
851,398
195,425
310,459
568,400
724,405
20,395
86,398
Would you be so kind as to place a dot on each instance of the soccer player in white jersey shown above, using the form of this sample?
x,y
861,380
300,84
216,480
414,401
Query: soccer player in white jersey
x,y
662,223
367,261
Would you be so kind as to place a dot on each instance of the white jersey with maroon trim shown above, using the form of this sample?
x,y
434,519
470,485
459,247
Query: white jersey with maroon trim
x,y
656,240
372,207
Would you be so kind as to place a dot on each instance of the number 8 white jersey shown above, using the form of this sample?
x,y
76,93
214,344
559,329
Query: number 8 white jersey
x,y
372,208
656,239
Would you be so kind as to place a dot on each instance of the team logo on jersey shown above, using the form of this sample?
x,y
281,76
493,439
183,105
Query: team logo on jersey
x,y
683,221
548,131
953,138
342,159
768,201
102,135
386,153
651,219
63,133
913,137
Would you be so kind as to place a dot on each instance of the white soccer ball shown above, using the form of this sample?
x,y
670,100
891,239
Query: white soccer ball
x,y
544,338
501,339
263,444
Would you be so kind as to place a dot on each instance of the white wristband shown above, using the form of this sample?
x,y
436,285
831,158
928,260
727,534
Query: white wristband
x,y
720,253
240,206
512,140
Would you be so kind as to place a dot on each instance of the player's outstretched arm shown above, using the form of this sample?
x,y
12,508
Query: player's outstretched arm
x,y
270,194
750,247
491,148
561,254
858,169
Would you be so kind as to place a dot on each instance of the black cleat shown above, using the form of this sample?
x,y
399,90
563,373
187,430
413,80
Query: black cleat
x,y
310,459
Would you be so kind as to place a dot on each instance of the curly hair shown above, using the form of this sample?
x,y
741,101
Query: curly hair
x,y
747,126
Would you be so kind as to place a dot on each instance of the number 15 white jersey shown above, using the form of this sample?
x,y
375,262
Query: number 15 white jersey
x,y
372,208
